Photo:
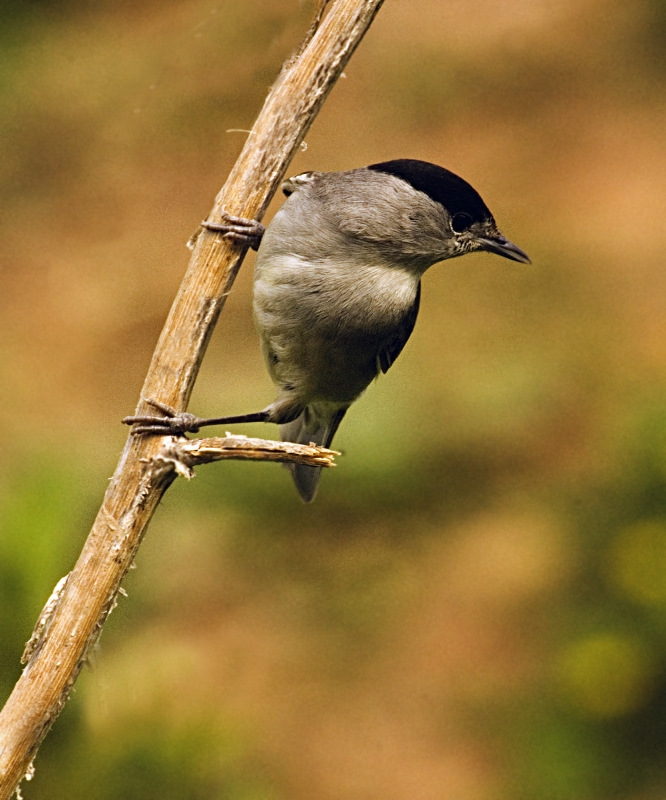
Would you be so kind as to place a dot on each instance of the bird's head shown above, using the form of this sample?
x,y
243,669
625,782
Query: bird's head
x,y
471,226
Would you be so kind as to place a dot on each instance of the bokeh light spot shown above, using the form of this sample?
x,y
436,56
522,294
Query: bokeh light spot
x,y
637,563
606,675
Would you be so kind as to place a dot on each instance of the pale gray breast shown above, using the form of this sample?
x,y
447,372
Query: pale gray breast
x,y
312,271
322,318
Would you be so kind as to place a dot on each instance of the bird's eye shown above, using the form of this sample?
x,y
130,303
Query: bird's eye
x,y
461,221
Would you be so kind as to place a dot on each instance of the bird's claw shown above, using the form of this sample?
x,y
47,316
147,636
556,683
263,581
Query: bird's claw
x,y
240,229
172,423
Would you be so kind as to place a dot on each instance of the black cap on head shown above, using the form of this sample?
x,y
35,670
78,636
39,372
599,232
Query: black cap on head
x,y
463,203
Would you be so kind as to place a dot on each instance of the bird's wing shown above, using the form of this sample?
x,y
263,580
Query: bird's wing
x,y
388,354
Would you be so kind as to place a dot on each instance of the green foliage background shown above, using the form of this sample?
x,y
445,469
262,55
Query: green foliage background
x,y
475,606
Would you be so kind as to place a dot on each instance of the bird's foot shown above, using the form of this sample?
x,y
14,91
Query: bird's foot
x,y
171,423
174,423
240,229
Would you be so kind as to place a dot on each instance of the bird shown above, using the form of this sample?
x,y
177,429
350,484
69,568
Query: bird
x,y
337,286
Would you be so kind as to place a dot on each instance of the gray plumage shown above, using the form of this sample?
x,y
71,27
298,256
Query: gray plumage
x,y
337,284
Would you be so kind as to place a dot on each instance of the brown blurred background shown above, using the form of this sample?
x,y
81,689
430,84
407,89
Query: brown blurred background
x,y
475,606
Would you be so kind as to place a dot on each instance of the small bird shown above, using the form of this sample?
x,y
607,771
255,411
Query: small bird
x,y
337,286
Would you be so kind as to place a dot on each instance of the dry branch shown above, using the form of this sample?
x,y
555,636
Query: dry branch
x,y
188,453
78,611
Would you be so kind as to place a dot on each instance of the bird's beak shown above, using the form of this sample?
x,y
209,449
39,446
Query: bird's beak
x,y
501,246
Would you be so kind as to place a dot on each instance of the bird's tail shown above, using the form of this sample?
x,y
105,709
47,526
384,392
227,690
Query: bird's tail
x,y
310,427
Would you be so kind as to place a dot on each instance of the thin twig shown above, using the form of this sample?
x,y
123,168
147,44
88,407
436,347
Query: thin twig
x,y
189,453
75,619
314,27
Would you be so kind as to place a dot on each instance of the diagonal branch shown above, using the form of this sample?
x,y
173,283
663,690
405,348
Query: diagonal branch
x,y
78,610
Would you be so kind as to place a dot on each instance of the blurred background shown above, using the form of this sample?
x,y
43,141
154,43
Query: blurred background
x,y
474,608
